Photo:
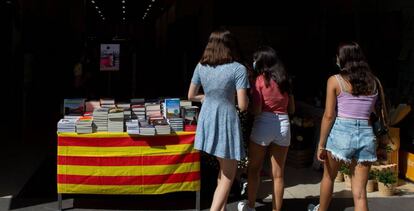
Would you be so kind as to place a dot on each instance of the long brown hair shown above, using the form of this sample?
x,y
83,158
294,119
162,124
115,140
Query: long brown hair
x,y
222,48
268,63
355,68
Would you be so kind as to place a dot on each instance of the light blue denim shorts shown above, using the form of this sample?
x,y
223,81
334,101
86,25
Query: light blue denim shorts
x,y
271,128
352,139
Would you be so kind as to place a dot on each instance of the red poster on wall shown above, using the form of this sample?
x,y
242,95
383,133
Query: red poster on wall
x,y
109,57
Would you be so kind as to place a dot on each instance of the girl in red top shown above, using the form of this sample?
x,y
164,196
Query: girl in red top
x,y
271,128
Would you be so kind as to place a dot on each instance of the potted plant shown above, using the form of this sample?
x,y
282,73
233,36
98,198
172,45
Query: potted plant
x,y
372,182
344,169
386,182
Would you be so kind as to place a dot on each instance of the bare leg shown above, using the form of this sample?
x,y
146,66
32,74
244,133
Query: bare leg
x,y
218,182
256,157
226,176
330,170
359,183
278,158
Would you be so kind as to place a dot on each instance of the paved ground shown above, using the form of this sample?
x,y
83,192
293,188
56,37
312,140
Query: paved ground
x,y
30,184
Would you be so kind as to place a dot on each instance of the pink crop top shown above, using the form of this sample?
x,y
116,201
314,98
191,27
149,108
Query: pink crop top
x,y
271,97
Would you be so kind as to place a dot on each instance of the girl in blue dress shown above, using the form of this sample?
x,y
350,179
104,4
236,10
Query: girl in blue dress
x,y
218,131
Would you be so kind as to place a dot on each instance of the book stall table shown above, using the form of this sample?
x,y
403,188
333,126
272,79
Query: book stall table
x,y
122,164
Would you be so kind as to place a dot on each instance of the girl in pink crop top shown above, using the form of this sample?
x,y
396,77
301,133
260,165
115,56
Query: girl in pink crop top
x,y
271,127
269,97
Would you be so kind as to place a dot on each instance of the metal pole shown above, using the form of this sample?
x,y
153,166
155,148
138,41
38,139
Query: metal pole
x,y
59,201
197,201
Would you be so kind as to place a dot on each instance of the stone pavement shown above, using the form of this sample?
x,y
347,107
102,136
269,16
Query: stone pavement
x,y
302,187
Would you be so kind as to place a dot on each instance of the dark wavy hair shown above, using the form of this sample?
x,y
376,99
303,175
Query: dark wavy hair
x,y
355,68
222,48
268,63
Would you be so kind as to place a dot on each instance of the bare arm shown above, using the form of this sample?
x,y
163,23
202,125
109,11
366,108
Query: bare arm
x,y
193,93
242,99
328,117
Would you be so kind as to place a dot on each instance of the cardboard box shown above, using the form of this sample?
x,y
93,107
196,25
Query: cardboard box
x,y
407,165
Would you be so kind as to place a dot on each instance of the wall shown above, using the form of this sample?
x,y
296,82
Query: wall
x,y
53,36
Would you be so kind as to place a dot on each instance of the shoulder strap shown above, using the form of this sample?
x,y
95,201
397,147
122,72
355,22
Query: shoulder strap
x,y
384,111
341,83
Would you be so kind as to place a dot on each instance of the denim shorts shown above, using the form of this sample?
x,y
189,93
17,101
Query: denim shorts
x,y
270,128
352,139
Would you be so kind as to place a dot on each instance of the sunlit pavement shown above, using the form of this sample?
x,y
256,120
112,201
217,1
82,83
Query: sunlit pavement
x,y
302,187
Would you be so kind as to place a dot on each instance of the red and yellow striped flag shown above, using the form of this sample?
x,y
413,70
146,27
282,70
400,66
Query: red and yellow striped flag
x,y
116,163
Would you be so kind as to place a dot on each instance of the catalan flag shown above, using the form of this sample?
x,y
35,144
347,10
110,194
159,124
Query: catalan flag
x,y
117,163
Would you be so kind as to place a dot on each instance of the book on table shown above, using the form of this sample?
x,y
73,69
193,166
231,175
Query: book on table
x,y
190,114
172,108
67,125
74,106
85,124
127,109
100,117
132,126
146,129
161,126
138,111
184,103
116,120
177,124
107,103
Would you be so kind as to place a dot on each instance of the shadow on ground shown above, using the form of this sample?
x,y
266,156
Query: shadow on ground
x,y
40,188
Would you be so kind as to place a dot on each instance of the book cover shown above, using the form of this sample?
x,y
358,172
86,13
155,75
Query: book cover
x,y
190,113
74,106
172,107
184,103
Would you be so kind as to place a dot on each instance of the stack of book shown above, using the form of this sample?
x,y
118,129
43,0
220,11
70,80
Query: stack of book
x,y
138,112
73,107
153,110
127,109
146,129
177,124
100,117
138,108
107,103
161,126
163,129
116,120
132,126
67,125
85,125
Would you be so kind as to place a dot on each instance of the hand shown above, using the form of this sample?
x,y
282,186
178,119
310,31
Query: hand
x,y
322,155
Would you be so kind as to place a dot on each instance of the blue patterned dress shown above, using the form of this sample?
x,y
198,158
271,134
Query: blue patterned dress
x,y
218,128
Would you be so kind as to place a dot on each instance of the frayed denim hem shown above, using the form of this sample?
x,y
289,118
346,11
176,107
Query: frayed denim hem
x,y
362,161
338,157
